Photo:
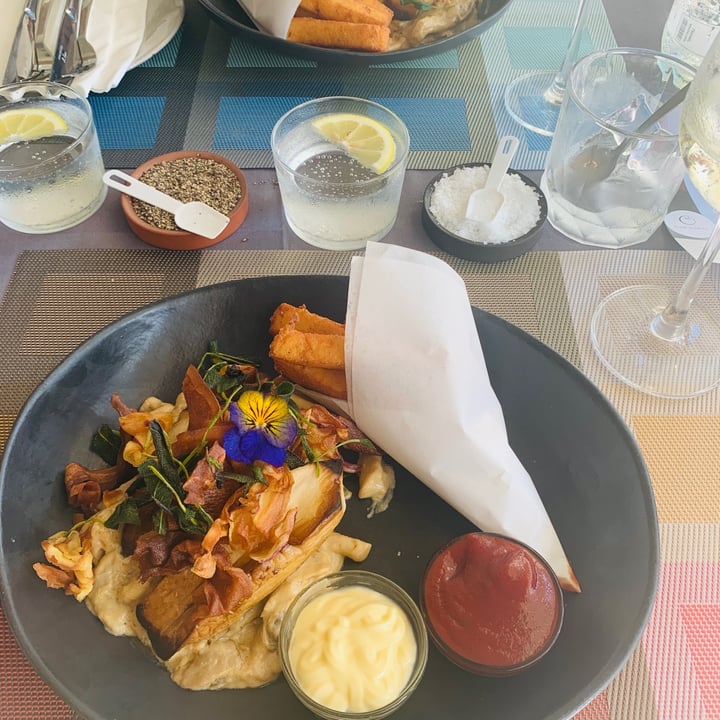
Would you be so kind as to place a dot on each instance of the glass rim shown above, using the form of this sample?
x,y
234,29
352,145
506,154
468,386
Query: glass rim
x,y
17,92
625,51
399,160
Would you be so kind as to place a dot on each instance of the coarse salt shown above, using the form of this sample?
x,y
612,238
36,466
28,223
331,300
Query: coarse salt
x,y
520,210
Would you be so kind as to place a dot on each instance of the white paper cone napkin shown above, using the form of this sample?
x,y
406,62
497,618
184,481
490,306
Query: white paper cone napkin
x,y
418,387
273,16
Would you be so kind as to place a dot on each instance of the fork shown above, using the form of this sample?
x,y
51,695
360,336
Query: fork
x,y
86,51
66,48
43,49
74,53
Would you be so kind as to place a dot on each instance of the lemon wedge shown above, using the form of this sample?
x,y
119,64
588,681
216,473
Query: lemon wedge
x,y
29,124
364,139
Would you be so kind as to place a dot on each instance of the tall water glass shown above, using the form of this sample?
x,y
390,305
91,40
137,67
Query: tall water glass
x,y
52,182
608,182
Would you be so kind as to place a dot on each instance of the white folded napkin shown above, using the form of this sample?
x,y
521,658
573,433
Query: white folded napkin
x,y
272,16
409,324
123,33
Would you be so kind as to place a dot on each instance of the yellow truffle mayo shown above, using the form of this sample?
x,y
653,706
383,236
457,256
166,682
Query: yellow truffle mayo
x,y
352,649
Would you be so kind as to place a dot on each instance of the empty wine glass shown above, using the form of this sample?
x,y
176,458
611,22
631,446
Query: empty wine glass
x,y
658,342
534,100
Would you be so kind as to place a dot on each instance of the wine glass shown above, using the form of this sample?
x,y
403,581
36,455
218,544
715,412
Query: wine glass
x,y
534,100
658,342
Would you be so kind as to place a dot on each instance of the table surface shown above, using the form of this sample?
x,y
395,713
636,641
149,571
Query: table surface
x,y
673,674
636,23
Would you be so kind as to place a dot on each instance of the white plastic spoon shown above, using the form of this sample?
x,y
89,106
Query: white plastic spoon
x,y
485,202
195,217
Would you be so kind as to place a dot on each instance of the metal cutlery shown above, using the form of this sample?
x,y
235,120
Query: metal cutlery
x,y
30,56
44,42
596,163
73,53
28,60
86,51
66,49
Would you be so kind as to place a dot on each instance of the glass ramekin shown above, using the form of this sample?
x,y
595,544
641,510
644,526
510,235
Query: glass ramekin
x,y
372,581
470,664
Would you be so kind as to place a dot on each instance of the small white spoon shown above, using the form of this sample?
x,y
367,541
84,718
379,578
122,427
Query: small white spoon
x,y
195,217
485,202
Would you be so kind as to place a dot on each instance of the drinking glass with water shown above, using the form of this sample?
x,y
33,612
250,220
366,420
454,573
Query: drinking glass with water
x,y
609,177
50,163
340,163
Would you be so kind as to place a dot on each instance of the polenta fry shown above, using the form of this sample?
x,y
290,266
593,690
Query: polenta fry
x,y
328,382
313,349
372,12
338,34
303,320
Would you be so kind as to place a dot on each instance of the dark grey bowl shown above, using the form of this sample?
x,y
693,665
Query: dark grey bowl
x,y
601,503
229,14
481,252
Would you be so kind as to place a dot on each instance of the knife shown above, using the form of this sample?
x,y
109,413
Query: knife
x,y
22,63
66,49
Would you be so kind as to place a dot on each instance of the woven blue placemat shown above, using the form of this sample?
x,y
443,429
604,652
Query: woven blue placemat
x,y
209,90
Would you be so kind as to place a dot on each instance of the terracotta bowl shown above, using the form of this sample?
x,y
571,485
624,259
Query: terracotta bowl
x,y
181,239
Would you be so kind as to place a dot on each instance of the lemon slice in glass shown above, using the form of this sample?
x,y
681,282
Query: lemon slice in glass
x,y
364,139
29,124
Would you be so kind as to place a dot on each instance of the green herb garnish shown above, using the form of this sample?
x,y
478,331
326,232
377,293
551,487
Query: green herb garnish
x,y
106,444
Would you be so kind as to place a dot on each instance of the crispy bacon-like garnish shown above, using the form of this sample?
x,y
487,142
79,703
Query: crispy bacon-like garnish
x,y
253,519
228,586
190,439
325,430
254,522
70,559
155,553
202,403
202,487
85,487
54,577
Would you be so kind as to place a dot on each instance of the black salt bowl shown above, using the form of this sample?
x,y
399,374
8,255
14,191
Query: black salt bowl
x,y
472,250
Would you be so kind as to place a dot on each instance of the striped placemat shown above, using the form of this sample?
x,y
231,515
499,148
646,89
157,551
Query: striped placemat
x,y
56,299
210,90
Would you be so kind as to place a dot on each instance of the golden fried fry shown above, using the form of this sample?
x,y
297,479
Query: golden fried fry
x,y
327,382
372,12
339,34
313,349
303,320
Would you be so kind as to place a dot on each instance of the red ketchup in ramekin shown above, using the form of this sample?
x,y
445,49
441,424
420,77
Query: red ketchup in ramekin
x,y
492,605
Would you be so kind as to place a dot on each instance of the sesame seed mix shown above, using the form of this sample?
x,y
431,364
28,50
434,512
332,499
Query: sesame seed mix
x,y
189,179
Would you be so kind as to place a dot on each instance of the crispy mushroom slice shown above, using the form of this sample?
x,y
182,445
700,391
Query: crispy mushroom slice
x,y
169,613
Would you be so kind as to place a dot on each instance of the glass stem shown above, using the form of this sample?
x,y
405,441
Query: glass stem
x,y
556,92
670,323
